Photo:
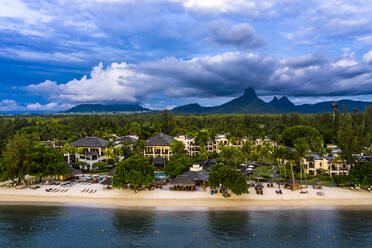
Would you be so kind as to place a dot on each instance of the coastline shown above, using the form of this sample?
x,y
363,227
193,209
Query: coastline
x,y
165,199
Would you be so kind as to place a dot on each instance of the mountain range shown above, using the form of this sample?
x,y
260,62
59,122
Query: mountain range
x,y
248,103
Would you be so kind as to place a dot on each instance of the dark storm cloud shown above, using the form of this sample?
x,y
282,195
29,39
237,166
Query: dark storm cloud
x,y
240,35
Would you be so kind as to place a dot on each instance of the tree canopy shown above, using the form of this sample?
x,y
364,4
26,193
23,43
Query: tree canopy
x,y
361,173
177,148
135,170
23,156
178,164
229,178
290,134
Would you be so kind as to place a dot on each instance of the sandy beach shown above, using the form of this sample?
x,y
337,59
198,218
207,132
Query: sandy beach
x,y
184,200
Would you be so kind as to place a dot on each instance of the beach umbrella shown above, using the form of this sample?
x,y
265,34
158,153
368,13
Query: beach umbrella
x,y
249,169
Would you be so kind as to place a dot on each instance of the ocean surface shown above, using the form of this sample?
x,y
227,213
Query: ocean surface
x,y
68,226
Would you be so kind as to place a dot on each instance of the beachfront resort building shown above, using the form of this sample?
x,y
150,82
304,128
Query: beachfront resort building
x,y
189,142
89,150
130,140
158,147
315,164
196,176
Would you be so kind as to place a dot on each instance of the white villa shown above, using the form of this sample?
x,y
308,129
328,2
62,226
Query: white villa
x,y
89,150
314,164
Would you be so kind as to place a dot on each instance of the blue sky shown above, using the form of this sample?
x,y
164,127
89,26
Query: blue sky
x,y
165,53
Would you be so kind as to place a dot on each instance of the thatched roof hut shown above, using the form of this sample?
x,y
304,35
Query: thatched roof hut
x,y
183,180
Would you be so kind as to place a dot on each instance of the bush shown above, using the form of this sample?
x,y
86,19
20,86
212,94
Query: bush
x,y
341,179
325,178
100,165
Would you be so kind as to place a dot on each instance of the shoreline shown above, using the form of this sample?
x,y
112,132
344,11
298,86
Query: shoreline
x,y
166,199
184,204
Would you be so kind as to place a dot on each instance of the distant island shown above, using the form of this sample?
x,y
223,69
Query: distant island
x,y
248,103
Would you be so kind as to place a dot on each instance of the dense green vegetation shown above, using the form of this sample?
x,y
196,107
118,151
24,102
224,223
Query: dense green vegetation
x,y
21,138
229,178
178,164
136,171
361,174
23,156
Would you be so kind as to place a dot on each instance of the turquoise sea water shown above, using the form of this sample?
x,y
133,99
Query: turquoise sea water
x,y
49,226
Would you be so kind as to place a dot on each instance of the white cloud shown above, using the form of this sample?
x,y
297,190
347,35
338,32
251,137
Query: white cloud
x,y
49,107
18,9
367,57
8,105
346,60
115,83
250,7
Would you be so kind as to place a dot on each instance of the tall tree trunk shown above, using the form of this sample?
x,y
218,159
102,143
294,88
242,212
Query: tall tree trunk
x,y
280,173
293,179
285,171
301,175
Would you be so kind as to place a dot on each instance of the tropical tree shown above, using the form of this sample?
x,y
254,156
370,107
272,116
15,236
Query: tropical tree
x,y
203,153
120,151
178,164
46,161
226,154
108,153
135,170
17,159
348,140
361,174
290,156
177,148
202,138
229,178
139,147
264,153
67,149
301,148
247,150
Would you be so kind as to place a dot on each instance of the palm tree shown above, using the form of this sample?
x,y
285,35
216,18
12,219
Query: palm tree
x,y
108,153
278,155
247,150
203,153
118,152
67,149
226,154
301,147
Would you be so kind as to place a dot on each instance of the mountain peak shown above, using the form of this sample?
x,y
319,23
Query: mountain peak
x,y
285,100
274,101
283,104
249,93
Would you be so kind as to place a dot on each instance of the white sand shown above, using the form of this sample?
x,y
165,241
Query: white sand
x,y
167,198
